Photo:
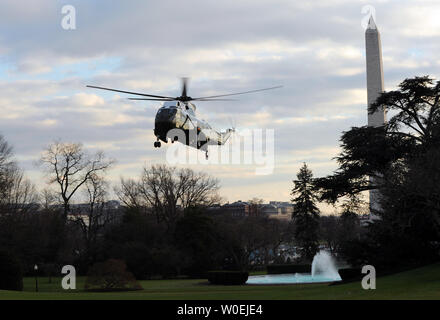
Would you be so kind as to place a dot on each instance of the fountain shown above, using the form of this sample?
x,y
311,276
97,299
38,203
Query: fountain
x,y
323,264
323,270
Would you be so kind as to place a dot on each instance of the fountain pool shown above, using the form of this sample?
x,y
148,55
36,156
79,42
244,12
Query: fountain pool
x,y
323,270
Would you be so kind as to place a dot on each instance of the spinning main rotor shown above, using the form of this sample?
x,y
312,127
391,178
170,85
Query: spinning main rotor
x,y
183,96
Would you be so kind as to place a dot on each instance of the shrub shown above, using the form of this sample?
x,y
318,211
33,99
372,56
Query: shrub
x,y
111,275
228,277
289,268
349,274
11,277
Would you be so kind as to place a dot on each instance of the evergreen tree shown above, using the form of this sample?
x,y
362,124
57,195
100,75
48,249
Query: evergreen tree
x,y
404,157
305,214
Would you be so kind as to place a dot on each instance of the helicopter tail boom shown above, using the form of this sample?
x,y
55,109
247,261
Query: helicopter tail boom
x,y
224,136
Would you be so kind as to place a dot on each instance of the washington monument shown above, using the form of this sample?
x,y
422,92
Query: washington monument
x,y
374,88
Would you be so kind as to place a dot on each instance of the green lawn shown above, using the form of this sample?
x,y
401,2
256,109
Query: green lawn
x,y
421,283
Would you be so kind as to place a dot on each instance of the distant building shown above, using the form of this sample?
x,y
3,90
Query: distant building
x,y
285,209
237,209
269,209
215,208
273,209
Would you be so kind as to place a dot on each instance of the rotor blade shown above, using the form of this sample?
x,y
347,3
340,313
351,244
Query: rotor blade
x,y
213,99
233,94
184,85
150,99
129,92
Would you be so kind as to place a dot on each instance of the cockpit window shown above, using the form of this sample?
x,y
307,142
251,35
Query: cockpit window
x,y
164,114
167,110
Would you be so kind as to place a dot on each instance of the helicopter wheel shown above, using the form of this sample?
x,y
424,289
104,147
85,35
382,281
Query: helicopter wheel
x,y
206,154
157,144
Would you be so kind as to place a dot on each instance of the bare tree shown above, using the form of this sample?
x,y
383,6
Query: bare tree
x,y
167,191
96,192
70,167
128,193
17,194
5,152
48,198
6,163
329,230
198,188
243,239
274,235
94,219
255,206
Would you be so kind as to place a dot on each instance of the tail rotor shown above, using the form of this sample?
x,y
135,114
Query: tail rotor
x,y
232,124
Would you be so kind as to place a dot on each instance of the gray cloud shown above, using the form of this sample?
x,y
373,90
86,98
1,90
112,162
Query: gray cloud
x,y
314,49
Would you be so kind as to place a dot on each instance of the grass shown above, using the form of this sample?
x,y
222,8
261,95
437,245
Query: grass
x,y
421,283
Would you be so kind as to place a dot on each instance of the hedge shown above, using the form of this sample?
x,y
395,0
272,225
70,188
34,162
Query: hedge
x,y
350,274
227,277
289,268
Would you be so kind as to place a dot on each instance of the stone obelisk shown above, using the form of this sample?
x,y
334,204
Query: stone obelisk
x,y
374,88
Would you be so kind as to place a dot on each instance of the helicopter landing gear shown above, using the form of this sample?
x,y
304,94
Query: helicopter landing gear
x,y
157,144
206,154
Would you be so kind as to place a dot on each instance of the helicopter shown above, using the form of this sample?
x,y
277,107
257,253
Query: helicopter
x,y
179,113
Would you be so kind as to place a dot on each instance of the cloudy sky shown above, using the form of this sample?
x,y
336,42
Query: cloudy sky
x,y
315,49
